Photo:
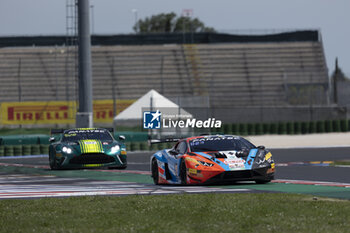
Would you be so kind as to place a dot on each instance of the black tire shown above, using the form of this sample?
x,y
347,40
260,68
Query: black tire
x,y
262,181
183,172
53,163
155,174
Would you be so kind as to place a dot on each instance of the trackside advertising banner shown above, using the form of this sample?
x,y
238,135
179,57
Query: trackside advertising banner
x,y
56,112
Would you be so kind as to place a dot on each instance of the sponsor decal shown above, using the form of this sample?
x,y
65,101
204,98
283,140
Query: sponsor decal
x,y
104,110
202,140
57,112
36,112
92,165
161,170
249,162
235,164
192,171
268,155
85,130
89,142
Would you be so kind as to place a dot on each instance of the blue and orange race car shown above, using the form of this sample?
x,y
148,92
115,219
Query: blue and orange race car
x,y
211,159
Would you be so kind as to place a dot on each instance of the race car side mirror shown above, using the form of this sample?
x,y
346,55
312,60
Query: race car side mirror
x,y
261,147
52,139
121,137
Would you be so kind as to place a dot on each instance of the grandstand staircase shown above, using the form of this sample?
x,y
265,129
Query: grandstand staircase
x,y
193,61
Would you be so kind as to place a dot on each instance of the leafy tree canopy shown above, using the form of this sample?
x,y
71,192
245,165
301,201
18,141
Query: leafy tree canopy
x,y
170,22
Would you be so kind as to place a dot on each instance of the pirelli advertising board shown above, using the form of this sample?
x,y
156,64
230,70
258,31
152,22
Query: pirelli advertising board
x,y
56,112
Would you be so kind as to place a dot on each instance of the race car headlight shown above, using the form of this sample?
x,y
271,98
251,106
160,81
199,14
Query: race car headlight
x,y
261,154
264,158
206,164
115,149
67,150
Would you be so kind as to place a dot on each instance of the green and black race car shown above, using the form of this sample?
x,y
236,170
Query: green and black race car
x,y
85,148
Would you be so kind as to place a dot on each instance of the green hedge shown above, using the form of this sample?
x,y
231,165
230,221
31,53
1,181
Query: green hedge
x,y
290,128
336,125
282,128
227,128
273,128
266,128
26,150
344,125
9,151
250,129
328,126
44,149
242,129
258,128
305,126
2,151
234,128
320,126
17,150
297,127
312,127
11,145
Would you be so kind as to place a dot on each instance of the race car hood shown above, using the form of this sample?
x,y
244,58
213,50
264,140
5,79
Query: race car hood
x,y
230,160
90,146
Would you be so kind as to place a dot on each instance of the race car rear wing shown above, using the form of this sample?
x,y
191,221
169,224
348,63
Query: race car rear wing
x,y
164,140
57,131
110,130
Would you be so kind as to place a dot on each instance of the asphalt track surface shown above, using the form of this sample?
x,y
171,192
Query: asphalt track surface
x,y
299,167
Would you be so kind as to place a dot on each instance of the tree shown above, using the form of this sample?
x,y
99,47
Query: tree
x,y
170,22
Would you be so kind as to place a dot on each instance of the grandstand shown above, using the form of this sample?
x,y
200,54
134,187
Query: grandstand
x,y
277,72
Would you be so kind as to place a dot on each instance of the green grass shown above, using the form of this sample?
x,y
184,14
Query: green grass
x,y
340,162
177,213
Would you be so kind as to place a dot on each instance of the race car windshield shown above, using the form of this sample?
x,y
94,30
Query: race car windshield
x,y
86,134
220,144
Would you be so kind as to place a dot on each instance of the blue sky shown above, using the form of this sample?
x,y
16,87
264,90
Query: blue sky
x,y
332,17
